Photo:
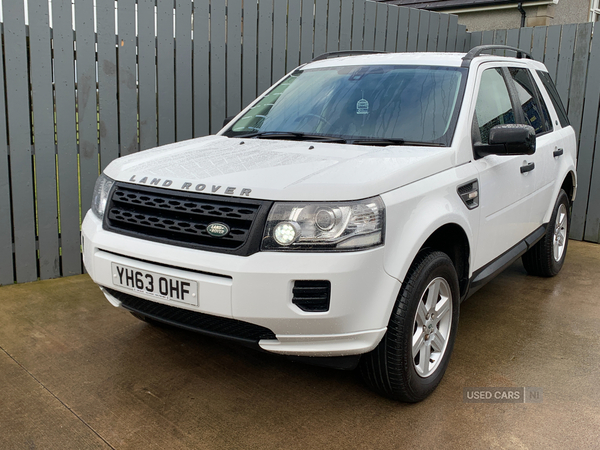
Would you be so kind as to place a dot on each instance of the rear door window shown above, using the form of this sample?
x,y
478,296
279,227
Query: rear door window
x,y
534,109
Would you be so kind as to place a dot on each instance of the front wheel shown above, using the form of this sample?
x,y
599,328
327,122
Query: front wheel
x,y
412,357
547,256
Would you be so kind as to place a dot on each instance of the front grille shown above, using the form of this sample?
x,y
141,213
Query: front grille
x,y
181,218
312,295
195,321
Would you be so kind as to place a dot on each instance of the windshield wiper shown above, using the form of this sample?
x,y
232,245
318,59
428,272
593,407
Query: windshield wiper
x,y
386,142
292,135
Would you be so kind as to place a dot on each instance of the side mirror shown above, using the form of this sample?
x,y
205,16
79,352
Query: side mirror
x,y
227,120
511,139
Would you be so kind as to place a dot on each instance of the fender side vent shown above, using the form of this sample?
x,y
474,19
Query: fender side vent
x,y
312,295
469,193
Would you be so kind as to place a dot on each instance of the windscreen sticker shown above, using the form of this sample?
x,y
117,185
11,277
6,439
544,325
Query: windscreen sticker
x,y
362,106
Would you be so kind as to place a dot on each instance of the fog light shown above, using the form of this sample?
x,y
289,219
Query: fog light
x,y
286,233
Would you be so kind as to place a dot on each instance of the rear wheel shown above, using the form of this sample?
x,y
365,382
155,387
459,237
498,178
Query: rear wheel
x,y
547,256
412,357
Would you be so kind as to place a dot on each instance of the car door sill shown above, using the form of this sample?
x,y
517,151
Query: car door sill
x,y
486,273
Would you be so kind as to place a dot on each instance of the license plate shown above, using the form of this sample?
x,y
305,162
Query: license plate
x,y
155,284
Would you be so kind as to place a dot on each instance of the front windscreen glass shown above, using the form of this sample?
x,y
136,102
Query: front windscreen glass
x,y
417,104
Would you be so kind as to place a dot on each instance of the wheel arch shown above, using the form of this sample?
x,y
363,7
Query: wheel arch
x,y
451,234
452,240
569,185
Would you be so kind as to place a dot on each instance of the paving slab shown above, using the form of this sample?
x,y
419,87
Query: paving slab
x,y
77,373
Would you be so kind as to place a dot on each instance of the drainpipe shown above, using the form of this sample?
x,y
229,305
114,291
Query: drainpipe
x,y
522,11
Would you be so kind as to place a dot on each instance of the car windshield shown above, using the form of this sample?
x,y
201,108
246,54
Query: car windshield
x,y
359,104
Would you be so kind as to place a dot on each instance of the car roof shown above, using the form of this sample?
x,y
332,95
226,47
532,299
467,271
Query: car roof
x,y
416,58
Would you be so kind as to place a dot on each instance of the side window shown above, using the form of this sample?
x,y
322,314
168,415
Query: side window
x,y
554,97
536,113
493,105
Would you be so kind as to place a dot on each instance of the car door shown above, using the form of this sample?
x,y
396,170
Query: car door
x,y
505,182
535,113
562,151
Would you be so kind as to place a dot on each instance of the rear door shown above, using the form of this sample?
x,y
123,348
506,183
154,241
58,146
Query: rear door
x,y
535,113
563,151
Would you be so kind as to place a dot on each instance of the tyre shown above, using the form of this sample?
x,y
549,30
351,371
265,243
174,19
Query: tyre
x,y
412,357
547,256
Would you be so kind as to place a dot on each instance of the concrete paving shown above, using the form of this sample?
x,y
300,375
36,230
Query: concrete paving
x,y
76,373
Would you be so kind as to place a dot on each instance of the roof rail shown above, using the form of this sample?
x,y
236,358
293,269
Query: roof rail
x,y
344,53
477,51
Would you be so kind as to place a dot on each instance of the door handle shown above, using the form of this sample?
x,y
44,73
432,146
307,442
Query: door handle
x,y
558,152
527,167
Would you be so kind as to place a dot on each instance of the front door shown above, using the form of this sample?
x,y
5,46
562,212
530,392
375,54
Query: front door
x,y
505,182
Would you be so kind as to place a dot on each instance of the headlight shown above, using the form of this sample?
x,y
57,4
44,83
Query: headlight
x,y
101,191
325,226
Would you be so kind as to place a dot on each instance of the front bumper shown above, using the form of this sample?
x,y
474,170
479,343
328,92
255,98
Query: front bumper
x,y
258,289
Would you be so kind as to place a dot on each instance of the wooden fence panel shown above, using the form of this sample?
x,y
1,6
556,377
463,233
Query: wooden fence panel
x,y
184,127
525,38
107,82
201,74
234,58
19,131
476,39
579,76
512,37
147,75
7,275
539,43
565,63
346,25
381,26
487,37
66,135
413,30
500,39
308,26
392,29
86,100
402,39
442,42
552,47
279,36
165,80
463,39
126,56
358,24
265,33
42,99
217,66
452,33
250,35
370,20
423,30
433,32
293,35
320,33
333,26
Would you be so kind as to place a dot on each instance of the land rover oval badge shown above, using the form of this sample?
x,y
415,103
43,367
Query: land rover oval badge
x,y
217,229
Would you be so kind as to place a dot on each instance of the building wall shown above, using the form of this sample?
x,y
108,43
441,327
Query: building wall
x,y
566,11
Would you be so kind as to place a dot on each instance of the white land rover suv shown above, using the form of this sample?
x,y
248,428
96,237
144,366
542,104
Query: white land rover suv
x,y
343,216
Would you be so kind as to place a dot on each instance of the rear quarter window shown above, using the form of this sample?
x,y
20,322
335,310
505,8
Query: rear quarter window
x,y
554,97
